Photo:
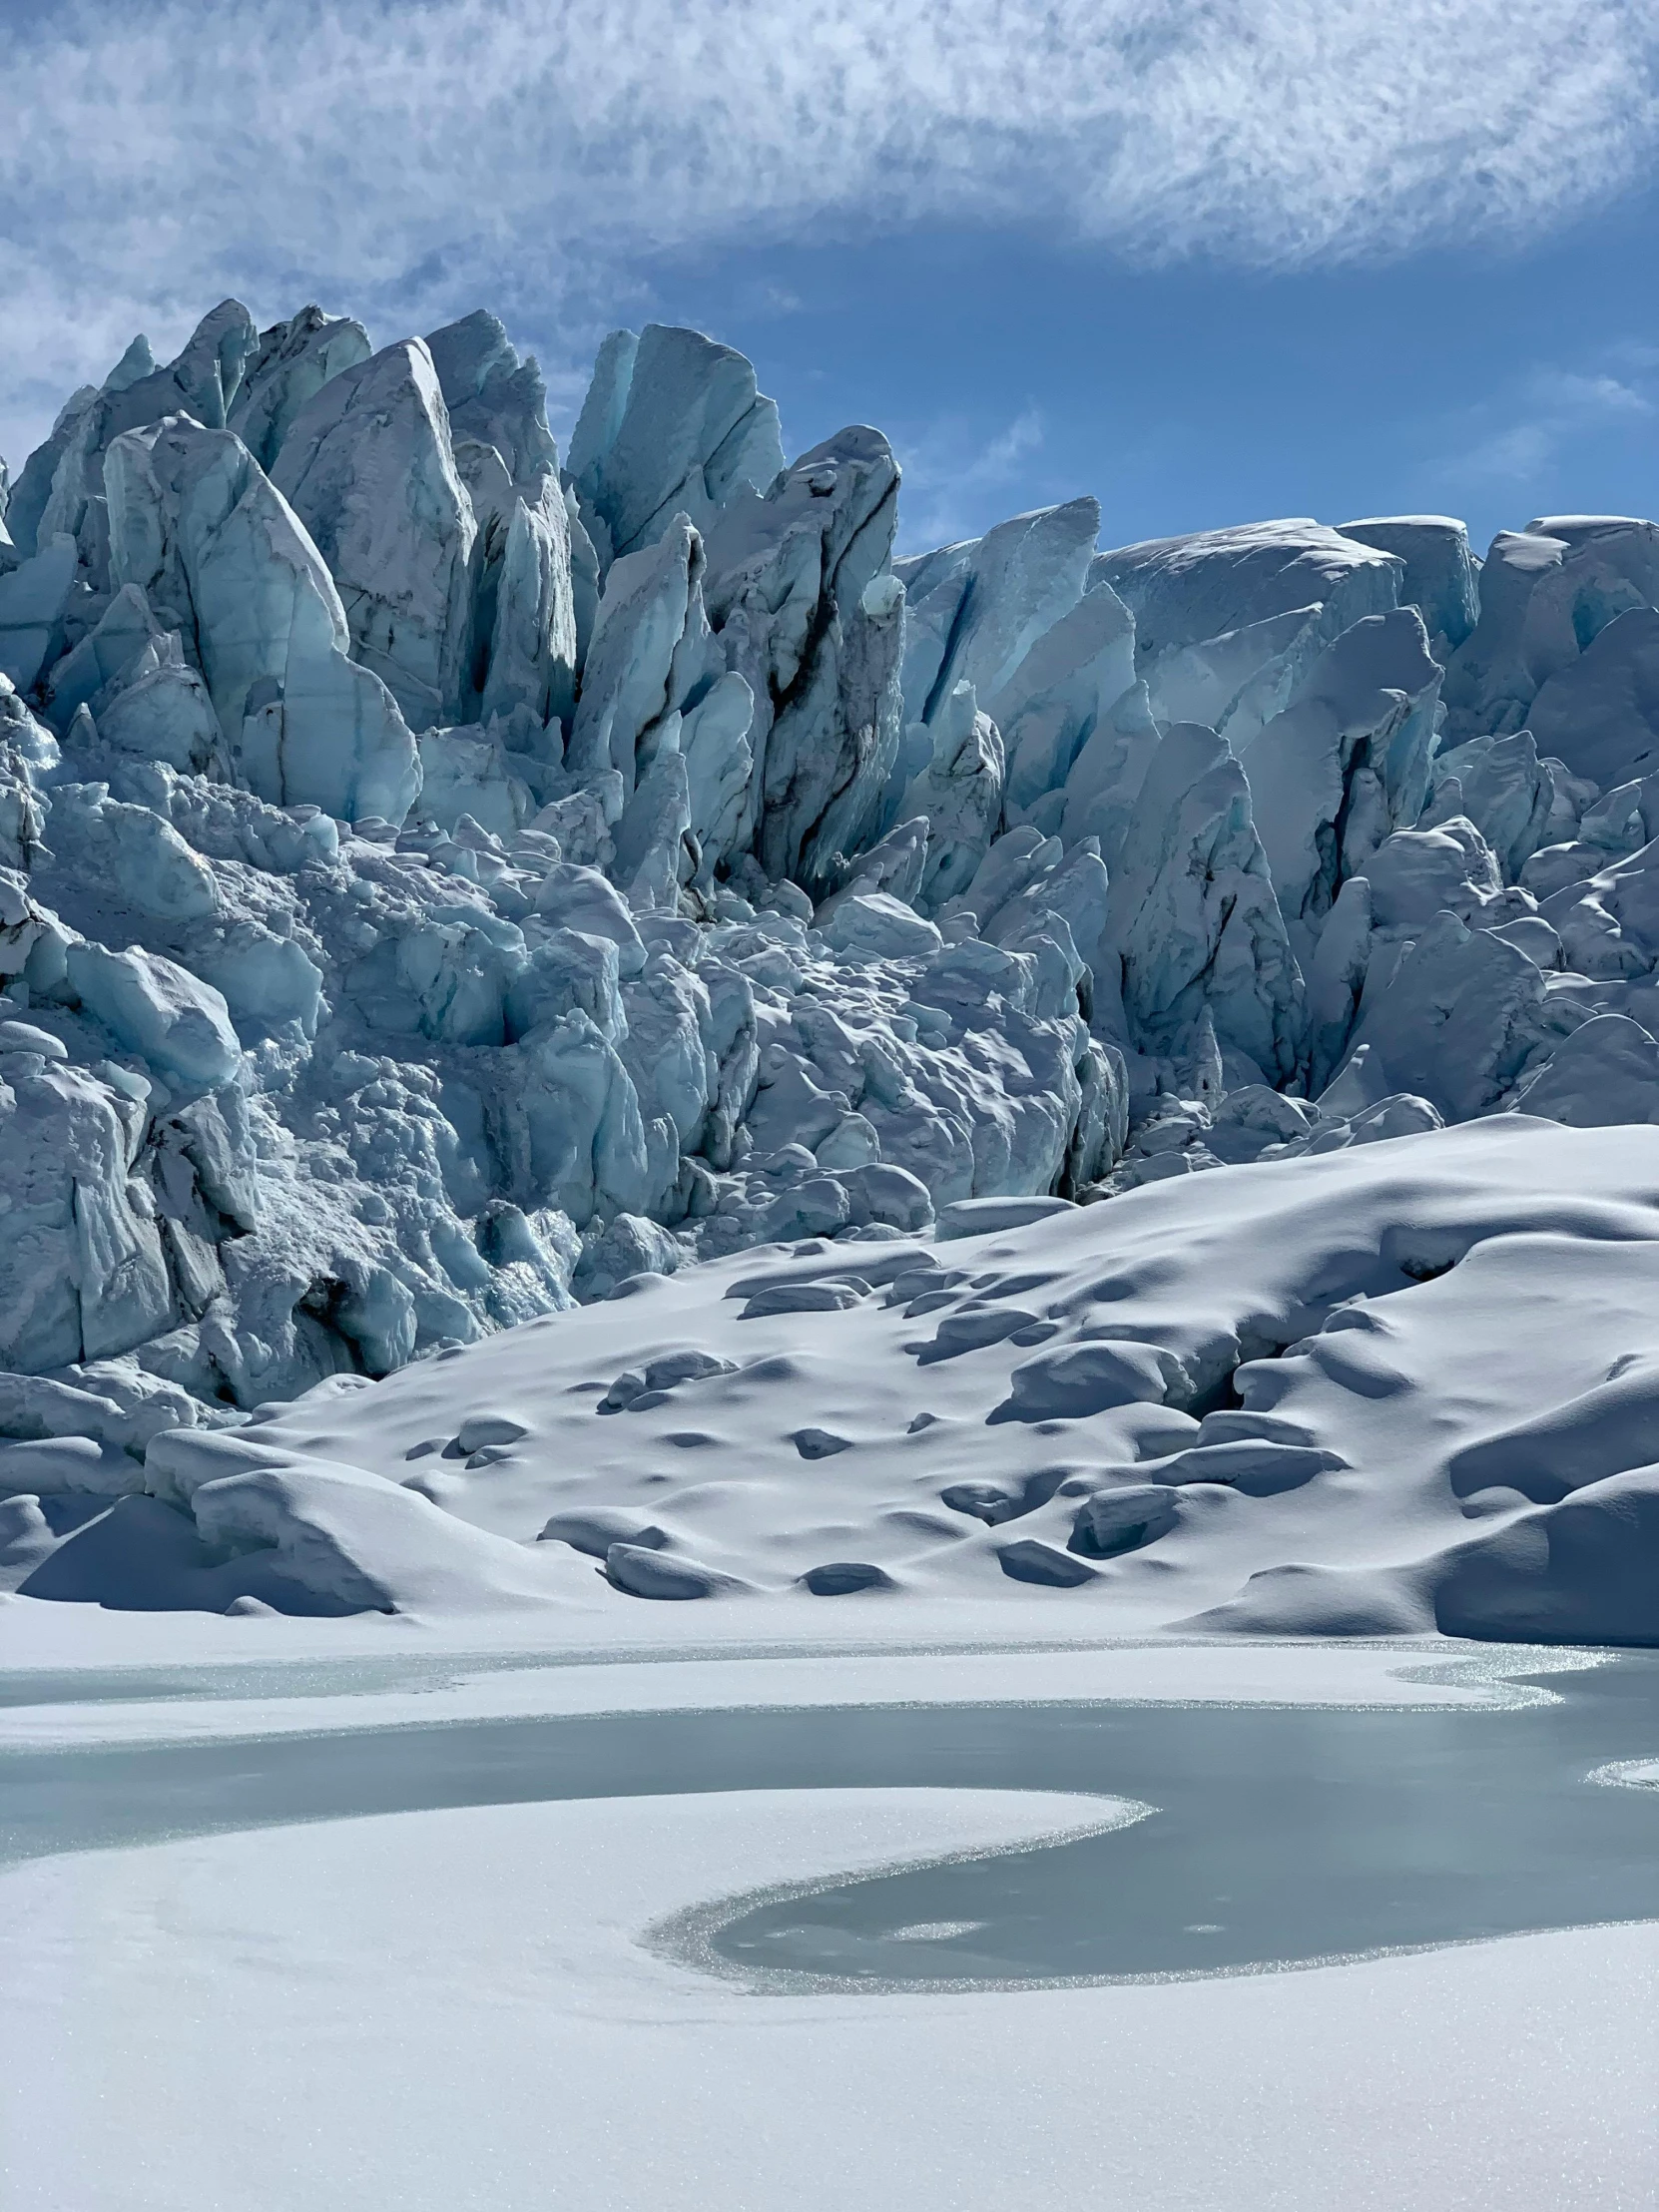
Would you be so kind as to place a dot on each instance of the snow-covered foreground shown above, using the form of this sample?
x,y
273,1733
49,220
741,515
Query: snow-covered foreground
x,y
469,2007
1396,1388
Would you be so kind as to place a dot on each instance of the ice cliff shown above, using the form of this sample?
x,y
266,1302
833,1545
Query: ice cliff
x,y
438,886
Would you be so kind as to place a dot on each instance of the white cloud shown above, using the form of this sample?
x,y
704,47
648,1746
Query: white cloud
x,y
951,476
1519,438
407,158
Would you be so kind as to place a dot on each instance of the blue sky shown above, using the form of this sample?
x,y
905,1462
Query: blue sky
x,y
1210,260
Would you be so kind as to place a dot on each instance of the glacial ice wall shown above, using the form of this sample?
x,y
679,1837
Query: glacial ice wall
x,y
437,885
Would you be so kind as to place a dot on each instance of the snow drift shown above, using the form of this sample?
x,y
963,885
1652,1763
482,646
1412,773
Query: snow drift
x,y
1394,1387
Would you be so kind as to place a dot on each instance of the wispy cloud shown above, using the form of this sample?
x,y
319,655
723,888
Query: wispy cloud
x,y
1516,440
953,474
411,157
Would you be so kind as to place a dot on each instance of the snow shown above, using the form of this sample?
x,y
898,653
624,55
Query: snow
x,y
448,2008
1277,1355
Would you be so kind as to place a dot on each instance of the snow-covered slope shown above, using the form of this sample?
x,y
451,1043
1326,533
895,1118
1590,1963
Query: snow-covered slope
x,y
1396,1388
438,888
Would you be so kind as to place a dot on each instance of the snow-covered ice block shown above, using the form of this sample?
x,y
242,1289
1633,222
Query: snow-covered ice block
x,y
1606,1072
156,1009
1441,578
1216,583
1600,713
1546,593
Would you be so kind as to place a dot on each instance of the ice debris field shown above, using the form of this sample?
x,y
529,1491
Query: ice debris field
x,y
581,1033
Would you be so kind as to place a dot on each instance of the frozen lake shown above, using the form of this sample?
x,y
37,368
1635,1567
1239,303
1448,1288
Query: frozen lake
x,y
1277,1835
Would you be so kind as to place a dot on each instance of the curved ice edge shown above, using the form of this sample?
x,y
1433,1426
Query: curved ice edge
x,y
1485,1677
1500,1676
1626,1774
685,1937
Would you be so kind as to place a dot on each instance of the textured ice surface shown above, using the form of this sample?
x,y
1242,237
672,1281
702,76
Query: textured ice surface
x,y
438,886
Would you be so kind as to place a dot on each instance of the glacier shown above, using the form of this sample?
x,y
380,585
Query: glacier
x,y
443,887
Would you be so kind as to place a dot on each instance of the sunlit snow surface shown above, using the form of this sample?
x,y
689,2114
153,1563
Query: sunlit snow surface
x,y
1401,1388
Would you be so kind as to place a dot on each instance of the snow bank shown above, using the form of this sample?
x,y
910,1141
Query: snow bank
x,y
1391,1388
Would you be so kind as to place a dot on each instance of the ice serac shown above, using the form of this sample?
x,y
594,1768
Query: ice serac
x,y
202,383
1600,714
1195,927
1348,763
651,659
976,610
1059,695
1442,579
197,526
34,599
98,664
672,425
1518,801
32,489
959,793
293,362
82,1275
1609,922
494,396
1546,593
802,594
1226,620
1457,1023
523,641
369,467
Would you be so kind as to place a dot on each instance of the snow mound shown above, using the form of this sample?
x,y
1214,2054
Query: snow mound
x,y
1390,1388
